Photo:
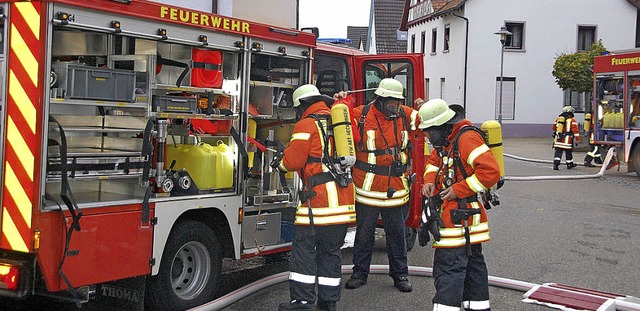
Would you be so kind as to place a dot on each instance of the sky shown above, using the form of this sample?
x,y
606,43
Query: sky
x,y
333,16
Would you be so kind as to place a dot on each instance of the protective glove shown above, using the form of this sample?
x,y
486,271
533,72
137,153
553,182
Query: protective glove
x,y
430,221
276,159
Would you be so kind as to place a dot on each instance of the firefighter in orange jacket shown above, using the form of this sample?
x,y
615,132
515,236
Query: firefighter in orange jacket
x,y
382,183
461,167
325,210
565,131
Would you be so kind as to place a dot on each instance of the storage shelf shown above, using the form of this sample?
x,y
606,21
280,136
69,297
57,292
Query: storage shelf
x,y
192,89
88,102
272,84
92,129
110,176
178,115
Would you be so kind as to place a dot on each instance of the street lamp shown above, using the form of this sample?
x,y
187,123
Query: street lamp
x,y
503,33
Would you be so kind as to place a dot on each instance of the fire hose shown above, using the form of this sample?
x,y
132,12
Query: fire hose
x,y
605,164
274,279
238,294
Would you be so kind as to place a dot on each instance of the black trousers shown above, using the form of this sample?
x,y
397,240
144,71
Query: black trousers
x,y
557,156
316,258
460,279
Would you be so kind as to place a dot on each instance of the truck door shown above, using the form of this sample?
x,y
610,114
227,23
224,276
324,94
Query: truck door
x,y
408,69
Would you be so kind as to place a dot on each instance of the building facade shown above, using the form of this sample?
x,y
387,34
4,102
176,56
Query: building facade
x,y
463,53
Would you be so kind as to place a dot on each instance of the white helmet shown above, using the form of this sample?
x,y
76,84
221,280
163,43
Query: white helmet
x,y
568,109
437,112
307,91
390,88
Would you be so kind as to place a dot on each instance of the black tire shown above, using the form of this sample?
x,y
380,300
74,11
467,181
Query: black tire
x,y
635,158
410,235
190,270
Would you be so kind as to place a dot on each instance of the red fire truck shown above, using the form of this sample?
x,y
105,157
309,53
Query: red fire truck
x,y
126,171
616,106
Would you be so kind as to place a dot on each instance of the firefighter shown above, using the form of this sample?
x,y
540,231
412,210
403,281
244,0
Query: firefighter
x,y
460,169
326,208
382,182
594,153
565,131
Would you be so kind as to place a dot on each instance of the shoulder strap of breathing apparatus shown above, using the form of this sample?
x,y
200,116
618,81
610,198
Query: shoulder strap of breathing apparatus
x,y
455,147
390,151
457,162
333,174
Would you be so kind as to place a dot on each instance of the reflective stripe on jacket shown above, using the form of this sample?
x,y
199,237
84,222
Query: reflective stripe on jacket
x,y
482,172
332,204
371,188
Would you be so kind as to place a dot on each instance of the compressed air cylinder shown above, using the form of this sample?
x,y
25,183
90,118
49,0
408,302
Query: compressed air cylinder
x,y
587,122
559,125
343,134
493,131
252,133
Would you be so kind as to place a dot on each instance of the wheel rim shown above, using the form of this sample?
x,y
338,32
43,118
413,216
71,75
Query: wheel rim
x,y
190,270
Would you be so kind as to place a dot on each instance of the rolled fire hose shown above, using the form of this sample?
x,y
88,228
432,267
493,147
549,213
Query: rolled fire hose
x,y
607,160
249,289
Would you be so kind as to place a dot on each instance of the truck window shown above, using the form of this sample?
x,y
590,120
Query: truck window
x,y
634,101
374,71
331,74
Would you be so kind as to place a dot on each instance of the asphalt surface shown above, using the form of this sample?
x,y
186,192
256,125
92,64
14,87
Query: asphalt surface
x,y
577,232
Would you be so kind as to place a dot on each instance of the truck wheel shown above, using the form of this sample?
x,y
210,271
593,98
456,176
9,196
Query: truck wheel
x,y
635,158
190,269
410,235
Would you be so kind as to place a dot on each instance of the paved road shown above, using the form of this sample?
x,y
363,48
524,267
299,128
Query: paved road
x,y
581,232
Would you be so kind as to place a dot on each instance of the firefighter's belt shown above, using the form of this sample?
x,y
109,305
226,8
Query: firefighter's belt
x,y
388,151
378,169
319,179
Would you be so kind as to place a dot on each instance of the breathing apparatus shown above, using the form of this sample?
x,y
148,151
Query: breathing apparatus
x,y
389,92
337,125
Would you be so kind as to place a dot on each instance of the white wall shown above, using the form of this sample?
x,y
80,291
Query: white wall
x,y
550,29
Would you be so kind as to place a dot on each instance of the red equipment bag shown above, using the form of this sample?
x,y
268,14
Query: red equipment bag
x,y
207,68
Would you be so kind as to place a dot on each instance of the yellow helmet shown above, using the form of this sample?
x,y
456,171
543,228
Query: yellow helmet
x,y
437,112
390,88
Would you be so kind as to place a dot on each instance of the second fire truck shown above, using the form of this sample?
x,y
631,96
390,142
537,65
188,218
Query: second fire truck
x,y
616,106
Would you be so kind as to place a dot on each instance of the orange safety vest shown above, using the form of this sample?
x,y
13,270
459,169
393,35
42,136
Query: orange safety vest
x,y
482,172
571,132
380,135
332,204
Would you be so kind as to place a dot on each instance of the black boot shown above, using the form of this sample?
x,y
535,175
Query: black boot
x,y
555,165
327,305
355,281
571,165
588,163
296,305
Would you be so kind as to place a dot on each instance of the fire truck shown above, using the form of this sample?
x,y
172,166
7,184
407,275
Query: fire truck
x,y
616,106
127,168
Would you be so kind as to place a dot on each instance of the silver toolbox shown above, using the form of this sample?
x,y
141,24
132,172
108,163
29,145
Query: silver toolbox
x,y
169,103
264,228
78,81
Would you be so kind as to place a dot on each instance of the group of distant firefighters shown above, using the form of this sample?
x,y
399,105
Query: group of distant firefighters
x,y
375,181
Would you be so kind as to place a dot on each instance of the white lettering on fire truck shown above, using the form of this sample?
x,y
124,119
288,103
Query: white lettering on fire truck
x,y
176,14
120,293
625,61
